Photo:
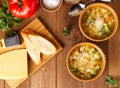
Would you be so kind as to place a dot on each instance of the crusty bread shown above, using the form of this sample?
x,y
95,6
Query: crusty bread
x,y
36,44
32,50
42,44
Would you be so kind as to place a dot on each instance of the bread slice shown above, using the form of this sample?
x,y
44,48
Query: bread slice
x,y
33,51
45,47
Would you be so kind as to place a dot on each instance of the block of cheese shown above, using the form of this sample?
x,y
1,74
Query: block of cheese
x,y
2,43
13,65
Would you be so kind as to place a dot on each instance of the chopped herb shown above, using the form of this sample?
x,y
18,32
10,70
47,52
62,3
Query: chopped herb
x,y
111,81
90,20
66,30
7,20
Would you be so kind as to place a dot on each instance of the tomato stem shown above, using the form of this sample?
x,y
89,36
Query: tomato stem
x,y
19,3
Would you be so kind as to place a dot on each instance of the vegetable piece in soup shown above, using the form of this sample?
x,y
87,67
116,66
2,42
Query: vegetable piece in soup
x,y
98,22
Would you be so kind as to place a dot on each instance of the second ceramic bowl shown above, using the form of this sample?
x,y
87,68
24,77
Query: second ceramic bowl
x,y
98,22
85,62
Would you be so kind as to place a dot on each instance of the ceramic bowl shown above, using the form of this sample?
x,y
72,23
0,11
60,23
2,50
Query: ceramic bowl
x,y
84,21
85,68
50,10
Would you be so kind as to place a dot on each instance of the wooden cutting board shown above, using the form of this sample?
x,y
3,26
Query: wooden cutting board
x,y
40,29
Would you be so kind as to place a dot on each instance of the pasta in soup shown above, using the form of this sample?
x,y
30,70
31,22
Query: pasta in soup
x,y
98,22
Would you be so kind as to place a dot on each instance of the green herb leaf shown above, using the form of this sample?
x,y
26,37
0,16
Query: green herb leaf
x,y
90,19
66,30
111,81
7,20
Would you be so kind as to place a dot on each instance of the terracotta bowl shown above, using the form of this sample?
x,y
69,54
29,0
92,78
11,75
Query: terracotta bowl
x,y
50,10
93,77
81,20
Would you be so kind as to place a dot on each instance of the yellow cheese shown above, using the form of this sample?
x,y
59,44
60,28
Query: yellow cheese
x,y
2,43
13,65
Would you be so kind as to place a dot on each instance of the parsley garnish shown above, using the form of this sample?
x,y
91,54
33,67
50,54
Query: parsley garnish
x,y
66,30
7,20
111,81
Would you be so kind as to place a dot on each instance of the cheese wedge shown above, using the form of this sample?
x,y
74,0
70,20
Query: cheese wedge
x,y
42,44
13,65
33,51
2,43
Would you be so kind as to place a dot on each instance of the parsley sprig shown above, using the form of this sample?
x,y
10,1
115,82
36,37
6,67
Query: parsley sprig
x,y
7,20
66,31
111,81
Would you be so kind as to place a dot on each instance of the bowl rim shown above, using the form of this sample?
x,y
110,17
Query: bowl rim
x,y
104,6
103,61
50,10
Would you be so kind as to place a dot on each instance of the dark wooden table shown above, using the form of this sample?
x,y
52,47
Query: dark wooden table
x,y
54,74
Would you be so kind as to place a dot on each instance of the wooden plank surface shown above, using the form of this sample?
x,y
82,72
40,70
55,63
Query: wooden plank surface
x,y
54,74
114,48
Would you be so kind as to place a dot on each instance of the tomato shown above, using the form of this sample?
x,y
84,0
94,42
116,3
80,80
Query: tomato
x,y
23,8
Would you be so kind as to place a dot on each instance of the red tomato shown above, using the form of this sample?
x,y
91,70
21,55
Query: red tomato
x,y
26,9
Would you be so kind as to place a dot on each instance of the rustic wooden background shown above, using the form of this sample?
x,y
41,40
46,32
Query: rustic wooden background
x,y
54,74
